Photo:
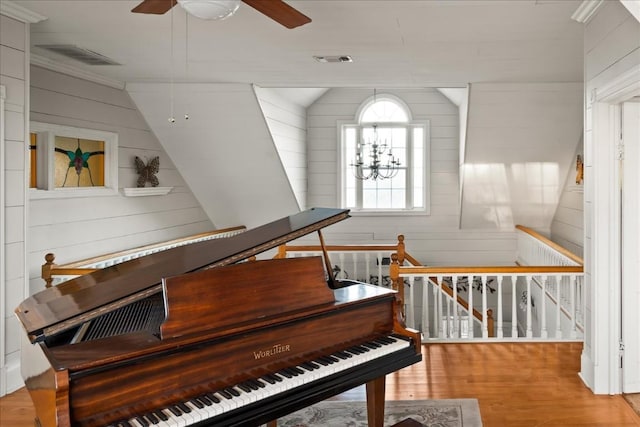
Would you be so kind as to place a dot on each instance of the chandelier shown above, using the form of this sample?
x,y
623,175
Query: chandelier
x,y
374,159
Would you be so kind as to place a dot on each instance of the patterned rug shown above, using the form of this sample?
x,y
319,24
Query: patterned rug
x,y
431,413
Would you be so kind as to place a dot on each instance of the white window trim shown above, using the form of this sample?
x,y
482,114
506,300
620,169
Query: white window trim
x,y
424,211
45,158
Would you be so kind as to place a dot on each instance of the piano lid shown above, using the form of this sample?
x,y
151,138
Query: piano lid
x,y
73,302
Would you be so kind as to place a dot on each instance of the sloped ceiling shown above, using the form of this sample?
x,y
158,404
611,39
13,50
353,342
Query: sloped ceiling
x,y
393,43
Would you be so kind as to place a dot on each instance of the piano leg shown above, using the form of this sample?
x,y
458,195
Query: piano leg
x,y
375,402
273,423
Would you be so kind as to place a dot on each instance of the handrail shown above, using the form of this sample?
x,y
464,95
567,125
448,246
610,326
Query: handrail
x,y
87,265
553,245
496,269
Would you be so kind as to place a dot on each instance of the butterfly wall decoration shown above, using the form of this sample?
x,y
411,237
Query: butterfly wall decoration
x,y
147,173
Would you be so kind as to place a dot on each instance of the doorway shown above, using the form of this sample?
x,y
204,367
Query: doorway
x,y
629,163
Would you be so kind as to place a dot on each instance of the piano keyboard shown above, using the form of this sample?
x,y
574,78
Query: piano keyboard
x,y
203,408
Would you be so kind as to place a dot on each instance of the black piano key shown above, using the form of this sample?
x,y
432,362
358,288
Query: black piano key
x,y
309,366
251,385
284,373
204,399
233,391
142,421
298,370
197,403
276,377
372,345
151,418
225,394
160,414
244,387
293,372
322,361
269,379
175,410
213,398
184,408
259,383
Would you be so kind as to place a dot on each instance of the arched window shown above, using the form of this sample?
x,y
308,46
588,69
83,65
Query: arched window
x,y
383,162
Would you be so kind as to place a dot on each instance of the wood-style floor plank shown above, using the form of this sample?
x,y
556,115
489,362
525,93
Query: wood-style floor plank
x,y
517,385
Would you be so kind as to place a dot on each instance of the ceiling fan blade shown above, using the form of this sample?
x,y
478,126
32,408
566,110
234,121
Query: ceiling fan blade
x,y
280,12
157,7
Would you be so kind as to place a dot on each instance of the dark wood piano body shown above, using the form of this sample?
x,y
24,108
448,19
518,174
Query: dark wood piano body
x,y
216,327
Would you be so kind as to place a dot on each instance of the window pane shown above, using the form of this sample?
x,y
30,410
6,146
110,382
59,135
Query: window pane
x,y
78,162
419,167
384,110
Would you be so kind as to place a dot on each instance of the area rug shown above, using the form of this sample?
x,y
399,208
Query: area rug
x,y
431,413
633,399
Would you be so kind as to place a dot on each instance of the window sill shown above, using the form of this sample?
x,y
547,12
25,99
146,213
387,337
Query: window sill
x,y
354,212
65,193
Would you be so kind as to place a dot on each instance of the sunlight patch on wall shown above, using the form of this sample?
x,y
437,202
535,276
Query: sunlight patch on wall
x,y
498,195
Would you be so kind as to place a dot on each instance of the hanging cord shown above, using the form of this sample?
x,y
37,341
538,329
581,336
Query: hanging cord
x,y
186,55
171,116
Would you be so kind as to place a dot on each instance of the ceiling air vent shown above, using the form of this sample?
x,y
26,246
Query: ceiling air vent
x,y
85,56
336,58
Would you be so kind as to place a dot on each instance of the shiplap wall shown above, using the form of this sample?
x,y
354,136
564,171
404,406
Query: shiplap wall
x,y
434,239
76,228
287,123
567,227
13,76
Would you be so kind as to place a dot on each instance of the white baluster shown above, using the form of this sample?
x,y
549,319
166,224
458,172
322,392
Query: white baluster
x,y
573,284
514,311
543,309
426,285
529,279
485,328
456,313
470,311
439,310
558,307
500,333
354,265
409,305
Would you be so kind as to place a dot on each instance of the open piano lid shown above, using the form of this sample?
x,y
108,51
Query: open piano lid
x,y
85,297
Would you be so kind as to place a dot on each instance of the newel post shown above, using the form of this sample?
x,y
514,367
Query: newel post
x,y
396,282
46,269
400,250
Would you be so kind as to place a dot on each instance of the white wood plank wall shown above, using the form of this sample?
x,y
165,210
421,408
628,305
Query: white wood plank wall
x,y
567,227
14,46
76,228
287,123
434,239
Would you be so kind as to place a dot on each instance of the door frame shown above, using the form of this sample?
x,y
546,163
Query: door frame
x,y
600,365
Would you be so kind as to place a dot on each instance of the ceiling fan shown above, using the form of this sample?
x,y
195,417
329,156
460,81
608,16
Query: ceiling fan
x,y
277,10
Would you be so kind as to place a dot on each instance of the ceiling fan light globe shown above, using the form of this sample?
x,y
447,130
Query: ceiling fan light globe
x,y
210,9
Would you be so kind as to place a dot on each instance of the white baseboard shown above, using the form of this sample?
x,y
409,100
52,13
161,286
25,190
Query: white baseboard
x,y
12,376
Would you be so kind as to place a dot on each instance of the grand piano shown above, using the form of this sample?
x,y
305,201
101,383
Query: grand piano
x,y
197,335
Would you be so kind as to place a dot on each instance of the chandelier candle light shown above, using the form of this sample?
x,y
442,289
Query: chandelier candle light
x,y
376,151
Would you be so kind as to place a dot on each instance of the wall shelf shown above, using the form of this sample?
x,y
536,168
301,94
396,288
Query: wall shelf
x,y
146,191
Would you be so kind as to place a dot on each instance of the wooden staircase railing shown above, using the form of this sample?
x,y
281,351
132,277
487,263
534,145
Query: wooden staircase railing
x,y
50,270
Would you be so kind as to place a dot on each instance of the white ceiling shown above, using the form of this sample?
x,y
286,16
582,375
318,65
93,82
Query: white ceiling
x,y
393,43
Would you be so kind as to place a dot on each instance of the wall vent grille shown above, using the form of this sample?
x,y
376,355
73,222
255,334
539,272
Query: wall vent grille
x,y
85,56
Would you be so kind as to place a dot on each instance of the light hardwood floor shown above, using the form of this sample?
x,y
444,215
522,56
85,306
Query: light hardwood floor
x,y
525,384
